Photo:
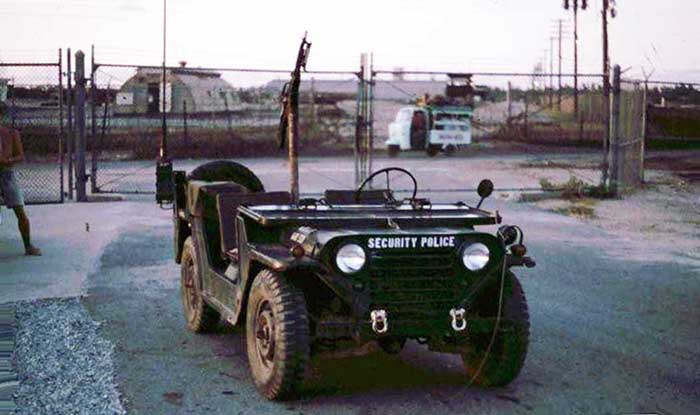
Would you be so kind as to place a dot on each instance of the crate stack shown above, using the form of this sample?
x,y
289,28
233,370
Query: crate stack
x,y
8,378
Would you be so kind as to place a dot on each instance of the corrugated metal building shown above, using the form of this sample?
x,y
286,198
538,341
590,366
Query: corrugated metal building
x,y
200,91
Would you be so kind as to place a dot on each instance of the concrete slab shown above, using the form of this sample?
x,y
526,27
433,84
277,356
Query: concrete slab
x,y
72,237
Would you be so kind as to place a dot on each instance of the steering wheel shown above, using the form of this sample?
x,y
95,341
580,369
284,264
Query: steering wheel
x,y
388,195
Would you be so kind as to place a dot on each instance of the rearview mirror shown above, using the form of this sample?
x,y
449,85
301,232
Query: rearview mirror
x,y
485,188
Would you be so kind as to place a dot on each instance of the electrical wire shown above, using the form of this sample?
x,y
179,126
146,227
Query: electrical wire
x,y
495,327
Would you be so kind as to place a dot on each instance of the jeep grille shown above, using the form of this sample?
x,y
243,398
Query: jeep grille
x,y
416,289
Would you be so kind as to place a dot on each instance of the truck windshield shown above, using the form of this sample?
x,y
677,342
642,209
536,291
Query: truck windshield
x,y
447,116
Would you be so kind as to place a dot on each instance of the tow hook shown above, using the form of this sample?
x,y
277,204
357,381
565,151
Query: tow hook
x,y
458,321
380,324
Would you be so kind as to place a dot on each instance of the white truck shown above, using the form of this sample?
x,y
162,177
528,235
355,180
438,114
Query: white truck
x,y
430,128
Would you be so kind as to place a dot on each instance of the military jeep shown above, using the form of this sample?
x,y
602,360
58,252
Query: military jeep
x,y
348,268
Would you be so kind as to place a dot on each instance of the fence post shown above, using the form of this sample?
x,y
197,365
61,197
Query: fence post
x,y
70,143
80,179
643,137
61,137
509,101
93,116
184,122
615,132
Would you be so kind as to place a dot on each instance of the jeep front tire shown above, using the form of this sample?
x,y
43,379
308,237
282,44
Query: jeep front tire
x,y
507,354
277,335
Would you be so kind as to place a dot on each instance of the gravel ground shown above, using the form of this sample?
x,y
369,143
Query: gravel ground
x,y
63,363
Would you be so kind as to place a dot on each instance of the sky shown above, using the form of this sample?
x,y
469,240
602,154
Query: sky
x,y
467,35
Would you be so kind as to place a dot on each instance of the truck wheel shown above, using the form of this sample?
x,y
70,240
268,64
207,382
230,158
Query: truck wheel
x,y
509,349
277,335
392,150
224,170
432,150
200,317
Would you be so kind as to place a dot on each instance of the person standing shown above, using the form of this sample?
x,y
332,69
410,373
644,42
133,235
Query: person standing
x,y
11,153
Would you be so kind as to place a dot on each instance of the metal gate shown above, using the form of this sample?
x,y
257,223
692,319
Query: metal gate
x,y
32,98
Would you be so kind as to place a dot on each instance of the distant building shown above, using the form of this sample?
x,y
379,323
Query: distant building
x,y
384,90
200,91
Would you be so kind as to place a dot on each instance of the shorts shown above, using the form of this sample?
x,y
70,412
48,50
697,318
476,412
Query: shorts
x,y
10,192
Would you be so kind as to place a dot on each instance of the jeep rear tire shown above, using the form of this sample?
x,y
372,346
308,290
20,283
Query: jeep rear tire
x,y
199,316
509,349
277,336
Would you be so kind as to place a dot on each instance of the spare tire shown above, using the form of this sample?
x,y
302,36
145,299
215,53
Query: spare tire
x,y
227,171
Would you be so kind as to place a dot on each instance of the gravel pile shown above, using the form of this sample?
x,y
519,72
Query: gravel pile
x,y
63,364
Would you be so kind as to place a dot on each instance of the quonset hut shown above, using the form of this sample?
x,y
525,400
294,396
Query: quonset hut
x,y
200,91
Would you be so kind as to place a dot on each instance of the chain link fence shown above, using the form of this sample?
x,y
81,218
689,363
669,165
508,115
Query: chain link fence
x,y
32,98
441,114
210,113
627,135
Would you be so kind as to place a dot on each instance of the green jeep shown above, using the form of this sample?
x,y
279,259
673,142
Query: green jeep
x,y
346,269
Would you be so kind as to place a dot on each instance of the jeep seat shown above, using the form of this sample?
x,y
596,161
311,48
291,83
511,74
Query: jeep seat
x,y
227,205
347,197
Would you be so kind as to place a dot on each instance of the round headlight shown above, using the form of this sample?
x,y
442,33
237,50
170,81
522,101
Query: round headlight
x,y
475,256
350,258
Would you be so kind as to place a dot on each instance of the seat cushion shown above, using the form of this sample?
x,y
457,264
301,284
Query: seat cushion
x,y
348,197
199,191
228,203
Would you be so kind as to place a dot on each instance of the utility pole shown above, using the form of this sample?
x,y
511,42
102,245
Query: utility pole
x,y
576,58
551,70
607,8
164,136
558,34
584,5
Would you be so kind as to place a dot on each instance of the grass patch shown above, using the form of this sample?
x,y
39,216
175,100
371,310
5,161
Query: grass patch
x,y
578,210
575,189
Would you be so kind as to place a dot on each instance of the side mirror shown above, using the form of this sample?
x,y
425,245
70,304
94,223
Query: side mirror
x,y
484,190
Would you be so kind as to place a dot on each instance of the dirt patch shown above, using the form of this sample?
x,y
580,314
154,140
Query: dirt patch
x,y
665,212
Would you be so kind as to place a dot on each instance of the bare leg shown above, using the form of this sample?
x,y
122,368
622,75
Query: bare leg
x,y
24,230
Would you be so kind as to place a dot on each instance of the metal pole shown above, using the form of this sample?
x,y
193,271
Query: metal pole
x,y
71,139
576,58
606,90
61,136
643,137
104,123
93,115
509,101
358,129
551,70
560,58
80,126
615,132
370,124
184,122
164,127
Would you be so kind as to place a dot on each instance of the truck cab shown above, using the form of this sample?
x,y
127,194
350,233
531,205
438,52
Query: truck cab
x,y
430,128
